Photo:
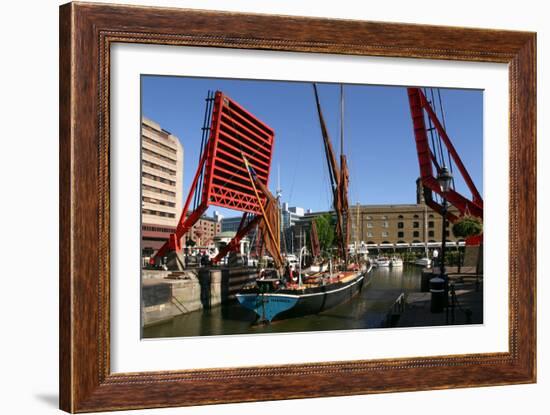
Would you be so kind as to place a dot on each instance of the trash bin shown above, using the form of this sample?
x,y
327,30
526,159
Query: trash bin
x,y
437,290
425,278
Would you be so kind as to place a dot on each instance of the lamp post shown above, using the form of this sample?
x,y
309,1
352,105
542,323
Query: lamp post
x,y
439,284
444,179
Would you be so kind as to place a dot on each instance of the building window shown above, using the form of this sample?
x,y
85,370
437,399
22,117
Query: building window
x,y
369,225
384,234
157,190
158,167
416,234
430,224
160,145
400,225
400,234
400,217
431,234
369,234
385,224
159,156
384,217
415,216
157,213
431,216
158,178
416,224
158,202
369,217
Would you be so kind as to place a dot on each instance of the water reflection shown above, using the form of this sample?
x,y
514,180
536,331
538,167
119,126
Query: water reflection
x,y
367,310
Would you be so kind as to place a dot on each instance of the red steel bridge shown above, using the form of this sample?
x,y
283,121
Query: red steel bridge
x,y
230,133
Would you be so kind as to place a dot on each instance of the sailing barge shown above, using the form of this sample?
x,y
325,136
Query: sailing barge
x,y
272,303
280,298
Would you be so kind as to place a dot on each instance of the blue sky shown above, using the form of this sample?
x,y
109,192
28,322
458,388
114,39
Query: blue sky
x,y
379,140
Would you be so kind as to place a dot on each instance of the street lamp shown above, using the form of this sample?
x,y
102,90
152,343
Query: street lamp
x,y
444,179
438,283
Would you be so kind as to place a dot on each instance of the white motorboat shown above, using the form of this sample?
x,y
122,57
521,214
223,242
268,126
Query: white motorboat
x,y
424,262
396,262
382,261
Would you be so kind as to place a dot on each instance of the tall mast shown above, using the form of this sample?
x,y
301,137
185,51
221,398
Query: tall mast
x,y
343,186
333,169
341,119
339,180
357,224
279,191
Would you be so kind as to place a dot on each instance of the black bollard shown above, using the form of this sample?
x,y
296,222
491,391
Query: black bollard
x,y
437,290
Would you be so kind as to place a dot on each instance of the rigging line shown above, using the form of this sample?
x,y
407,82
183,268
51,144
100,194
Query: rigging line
x,y
295,170
445,128
324,131
441,108
352,188
432,104
205,131
209,131
430,129
324,187
205,134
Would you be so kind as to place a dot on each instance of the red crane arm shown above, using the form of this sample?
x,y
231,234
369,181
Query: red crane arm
x,y
448,143
420,107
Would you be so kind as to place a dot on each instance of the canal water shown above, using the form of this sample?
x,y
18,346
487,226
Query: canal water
x,y
367,310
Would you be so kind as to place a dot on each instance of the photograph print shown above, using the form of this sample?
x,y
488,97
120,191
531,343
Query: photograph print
x,y
276,206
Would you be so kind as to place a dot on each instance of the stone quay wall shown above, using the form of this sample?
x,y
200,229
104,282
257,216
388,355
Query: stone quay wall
x,y
167,294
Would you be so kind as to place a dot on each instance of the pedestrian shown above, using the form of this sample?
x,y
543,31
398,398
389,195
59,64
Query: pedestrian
x,y
435,255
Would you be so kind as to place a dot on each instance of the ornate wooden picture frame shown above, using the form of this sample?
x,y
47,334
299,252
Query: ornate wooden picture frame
x,y
87,32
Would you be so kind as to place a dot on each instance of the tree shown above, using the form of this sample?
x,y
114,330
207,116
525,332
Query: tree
x,y
325,231
467,226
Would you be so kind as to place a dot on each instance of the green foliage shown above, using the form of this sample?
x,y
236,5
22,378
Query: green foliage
x,y
467,226
325,231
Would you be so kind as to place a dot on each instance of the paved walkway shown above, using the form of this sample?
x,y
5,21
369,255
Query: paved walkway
x,y
468,307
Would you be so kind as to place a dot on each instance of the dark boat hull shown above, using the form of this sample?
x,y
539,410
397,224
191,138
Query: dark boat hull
x,y
285,304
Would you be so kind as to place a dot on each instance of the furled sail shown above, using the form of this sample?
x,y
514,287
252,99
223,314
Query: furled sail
x,y
270,220
314,240
343,186
269,223
339,180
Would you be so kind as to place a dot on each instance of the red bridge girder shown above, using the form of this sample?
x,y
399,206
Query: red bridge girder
x,y
234,132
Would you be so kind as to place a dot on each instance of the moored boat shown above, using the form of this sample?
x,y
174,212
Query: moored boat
x,y
423,262
382,261
296,294
396,262
280,303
